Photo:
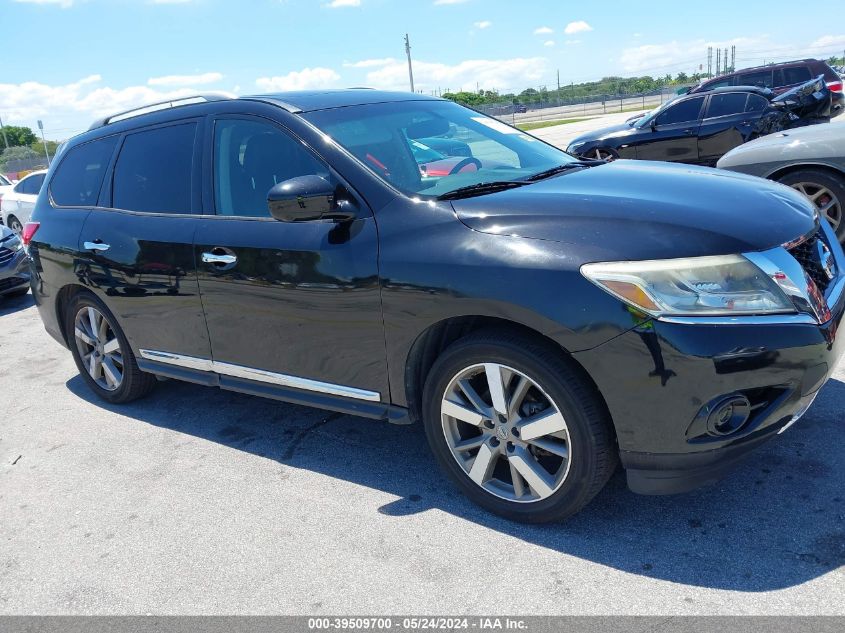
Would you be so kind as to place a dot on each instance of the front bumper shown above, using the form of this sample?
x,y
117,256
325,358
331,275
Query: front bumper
x,y
14,274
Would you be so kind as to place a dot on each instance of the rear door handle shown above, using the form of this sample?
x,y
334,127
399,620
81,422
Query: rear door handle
x,y
96,246
221,259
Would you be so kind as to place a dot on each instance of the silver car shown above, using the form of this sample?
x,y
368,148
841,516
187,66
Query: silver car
x,y
809,159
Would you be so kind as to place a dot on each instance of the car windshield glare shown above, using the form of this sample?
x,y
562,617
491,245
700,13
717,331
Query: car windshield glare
x,y
430,148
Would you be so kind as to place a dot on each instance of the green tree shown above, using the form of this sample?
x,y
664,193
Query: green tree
x,y
17,153
19,136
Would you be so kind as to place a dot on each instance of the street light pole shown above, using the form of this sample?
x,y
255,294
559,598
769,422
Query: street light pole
x,y
410,68
3,129
44,140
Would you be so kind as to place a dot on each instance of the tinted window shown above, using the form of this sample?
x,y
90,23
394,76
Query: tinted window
x,y
720,84
153,171
795,75
759,78
80,174
31,185
681,112
726,104
756,103
250,158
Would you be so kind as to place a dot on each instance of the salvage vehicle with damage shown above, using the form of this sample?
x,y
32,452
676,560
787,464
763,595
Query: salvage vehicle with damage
x,y
700,128
543,317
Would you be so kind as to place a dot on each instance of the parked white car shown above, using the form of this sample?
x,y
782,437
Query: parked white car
x,y
17,203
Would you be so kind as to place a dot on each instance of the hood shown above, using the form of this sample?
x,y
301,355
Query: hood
x,y
812,142
5,232
613,131
645,210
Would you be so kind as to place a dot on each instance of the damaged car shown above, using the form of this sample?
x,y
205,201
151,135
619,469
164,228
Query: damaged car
x,y
700,128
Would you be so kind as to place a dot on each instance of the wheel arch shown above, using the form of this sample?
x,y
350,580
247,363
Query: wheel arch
x,y
63,298
788,169
432,341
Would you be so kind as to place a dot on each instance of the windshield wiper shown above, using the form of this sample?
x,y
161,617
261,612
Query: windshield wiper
x,y
481,188
562,168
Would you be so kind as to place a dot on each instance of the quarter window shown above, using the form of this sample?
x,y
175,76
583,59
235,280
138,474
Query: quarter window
x,y
79,176
726,104
756,103
250,158
795,75
687,110
153,170
31,185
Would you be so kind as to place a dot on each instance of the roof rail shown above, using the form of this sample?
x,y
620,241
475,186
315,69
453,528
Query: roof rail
x,y
154,107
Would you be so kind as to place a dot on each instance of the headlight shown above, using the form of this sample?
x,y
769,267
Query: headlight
x,y
12,242
694,286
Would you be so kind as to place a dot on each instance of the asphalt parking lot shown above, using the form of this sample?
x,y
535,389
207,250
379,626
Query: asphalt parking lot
x,y
200,501
197,501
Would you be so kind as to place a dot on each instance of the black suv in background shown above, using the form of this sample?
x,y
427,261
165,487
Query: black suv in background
x,y
780,78
543,316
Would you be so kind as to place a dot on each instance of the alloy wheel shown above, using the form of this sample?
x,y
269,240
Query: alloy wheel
x,y
824,199
15,225
506,433
603,154
99,348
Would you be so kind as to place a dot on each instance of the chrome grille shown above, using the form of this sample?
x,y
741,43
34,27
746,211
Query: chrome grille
x,y
816,259
6,255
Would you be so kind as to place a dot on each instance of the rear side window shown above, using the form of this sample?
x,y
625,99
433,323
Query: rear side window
x,y
78,179
795,75
31,185
726,104
153,171
756,103
682,112
759,78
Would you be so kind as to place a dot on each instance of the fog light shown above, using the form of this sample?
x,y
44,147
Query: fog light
x,y
728,415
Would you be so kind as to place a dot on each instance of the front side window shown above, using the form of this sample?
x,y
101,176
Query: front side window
x,y
153,170
683,112
250,158
726,104
430,148
79,176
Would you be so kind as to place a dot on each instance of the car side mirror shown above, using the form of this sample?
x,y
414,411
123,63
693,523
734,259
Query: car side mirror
x,y
307,198
653,124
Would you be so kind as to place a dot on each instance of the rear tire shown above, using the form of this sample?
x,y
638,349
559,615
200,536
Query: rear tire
x,y
15,224
102,353
528,472
826,190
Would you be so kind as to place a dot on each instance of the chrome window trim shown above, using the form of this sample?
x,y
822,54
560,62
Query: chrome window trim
x,y
260,375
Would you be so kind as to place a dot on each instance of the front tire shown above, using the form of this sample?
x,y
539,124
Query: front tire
x,y
518,428
826,190
102,353
15,225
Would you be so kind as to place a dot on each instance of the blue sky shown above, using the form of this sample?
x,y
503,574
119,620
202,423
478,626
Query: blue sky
x,y
79,59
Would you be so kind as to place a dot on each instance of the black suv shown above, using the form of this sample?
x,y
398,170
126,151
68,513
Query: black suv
x,y
544,317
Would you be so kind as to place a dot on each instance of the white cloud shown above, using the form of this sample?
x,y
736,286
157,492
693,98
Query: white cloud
x,y
501,74
577,27
484,24
336,4
64,4
686,55
439,2
304,79
549,43
370,63
829,41
185,80
543,30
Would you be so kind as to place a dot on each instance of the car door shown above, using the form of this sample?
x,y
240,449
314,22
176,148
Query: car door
x,y
27,194
136,247
674,133
287,304
727,123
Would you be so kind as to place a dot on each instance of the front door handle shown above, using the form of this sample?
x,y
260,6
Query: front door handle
x,y
96,246
222,259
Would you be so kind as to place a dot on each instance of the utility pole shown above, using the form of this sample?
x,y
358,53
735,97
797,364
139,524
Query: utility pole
x,y
718,60
709,61
558,82
3,129
44,140
410,68
733,59
726,60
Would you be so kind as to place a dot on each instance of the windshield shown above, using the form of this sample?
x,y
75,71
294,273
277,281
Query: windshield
x,y
430,148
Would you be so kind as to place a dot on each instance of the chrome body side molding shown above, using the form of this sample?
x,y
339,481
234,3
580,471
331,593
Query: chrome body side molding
x,y
259,375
